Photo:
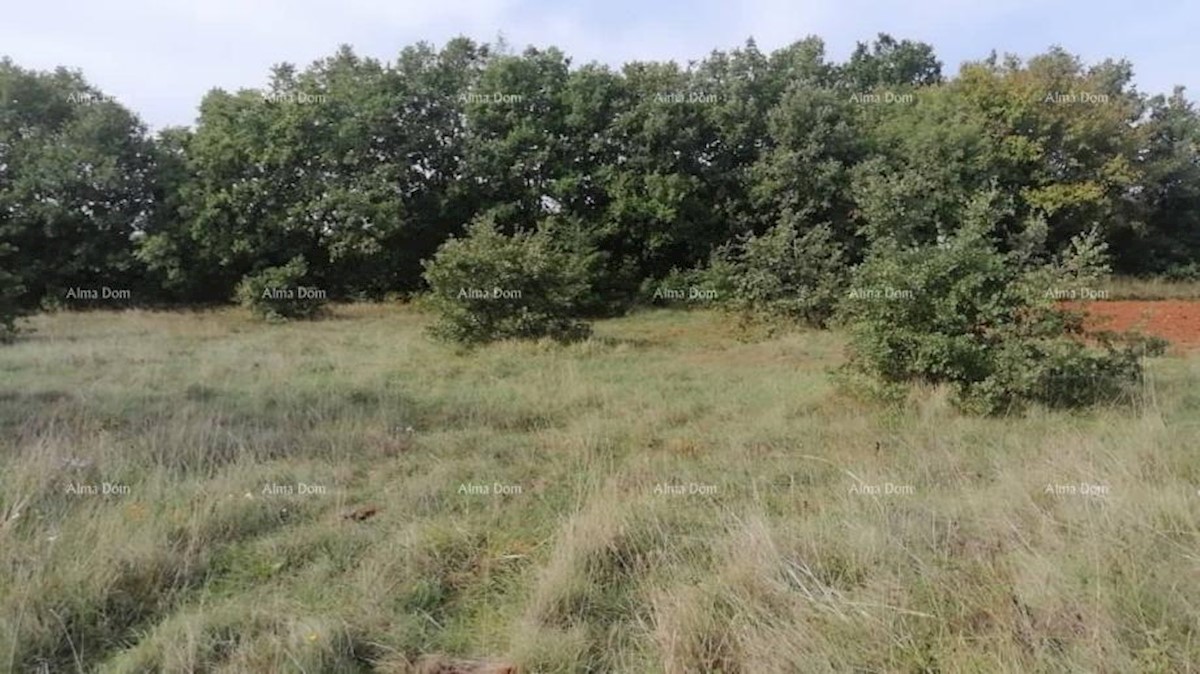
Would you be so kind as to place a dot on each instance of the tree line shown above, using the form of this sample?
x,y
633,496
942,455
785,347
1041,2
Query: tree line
x,y
362,169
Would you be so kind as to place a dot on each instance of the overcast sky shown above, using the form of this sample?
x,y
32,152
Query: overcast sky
x,y
159,57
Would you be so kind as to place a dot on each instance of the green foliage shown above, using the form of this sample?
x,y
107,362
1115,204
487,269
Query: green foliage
x,y
352,163
365,167
280,293
806,174
1167,240
710,285
10,293
489,286
888,62
929,158
1062,373
965,313
76,181
788,275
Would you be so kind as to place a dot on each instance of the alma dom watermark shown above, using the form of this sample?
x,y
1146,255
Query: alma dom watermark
x,y
885,489
480,98
691,294
486,489
100,489
496,293
101,293
85,98
885,97
1075,97
297,293
1077,294
685,97
685,489
298,97
297,489
880,293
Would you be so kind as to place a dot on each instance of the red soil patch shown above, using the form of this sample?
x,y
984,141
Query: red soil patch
x,y
1177,321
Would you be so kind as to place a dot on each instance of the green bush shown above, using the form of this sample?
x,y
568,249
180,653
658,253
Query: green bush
x,y
1189,271
1060,373
10,311
964,313
10,293
488,286
786,275
279,293
705,286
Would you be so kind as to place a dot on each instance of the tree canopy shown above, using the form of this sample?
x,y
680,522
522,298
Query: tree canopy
x,y
363,168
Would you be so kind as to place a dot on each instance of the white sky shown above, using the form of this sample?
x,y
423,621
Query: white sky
x,y
159,57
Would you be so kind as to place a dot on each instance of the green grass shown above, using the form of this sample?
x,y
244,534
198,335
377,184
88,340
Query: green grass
x,y
774,564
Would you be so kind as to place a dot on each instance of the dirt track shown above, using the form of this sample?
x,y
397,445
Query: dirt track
x,y
1175,320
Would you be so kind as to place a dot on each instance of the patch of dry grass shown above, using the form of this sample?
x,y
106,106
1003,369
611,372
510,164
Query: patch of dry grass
x,y
664,497
1127,288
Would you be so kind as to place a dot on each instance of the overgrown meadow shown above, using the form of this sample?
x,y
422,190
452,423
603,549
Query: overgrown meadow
x,y
881,437
347,495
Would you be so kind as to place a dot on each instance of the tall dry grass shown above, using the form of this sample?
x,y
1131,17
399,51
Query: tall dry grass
x,y
688,502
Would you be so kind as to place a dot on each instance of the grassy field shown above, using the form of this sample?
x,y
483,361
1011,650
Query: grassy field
x,y
349,496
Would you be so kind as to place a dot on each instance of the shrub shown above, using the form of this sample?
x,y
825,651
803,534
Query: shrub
x,y
1189,271
10,307
1059,373
279,293
708,285
488,286
788,275
961,312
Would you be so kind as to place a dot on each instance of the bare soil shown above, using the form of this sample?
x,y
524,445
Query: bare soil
x,y
1177,321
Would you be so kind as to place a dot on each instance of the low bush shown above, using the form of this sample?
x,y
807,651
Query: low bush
x,y
787,275
488,286
703,286
965,313
279,293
